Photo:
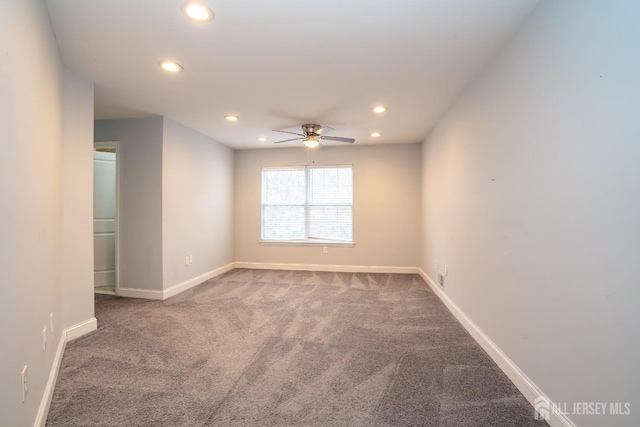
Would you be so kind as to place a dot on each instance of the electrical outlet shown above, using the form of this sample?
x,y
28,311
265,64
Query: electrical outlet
x,y
44,339
441,279
325,250
25,383
186,260
51,322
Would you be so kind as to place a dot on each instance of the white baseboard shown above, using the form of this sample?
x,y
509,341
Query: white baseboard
x,y
530,391
323,267
68,334
175,289
181,287
45,403
80,329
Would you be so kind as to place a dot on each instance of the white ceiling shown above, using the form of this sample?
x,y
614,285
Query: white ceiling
x,y
278,64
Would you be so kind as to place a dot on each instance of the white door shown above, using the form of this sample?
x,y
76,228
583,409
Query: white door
x,y
104,220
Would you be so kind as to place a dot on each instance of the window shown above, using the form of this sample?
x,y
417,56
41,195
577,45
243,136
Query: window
x,y
307,204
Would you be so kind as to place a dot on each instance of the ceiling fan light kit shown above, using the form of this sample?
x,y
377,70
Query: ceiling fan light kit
x,y
311,142
313,135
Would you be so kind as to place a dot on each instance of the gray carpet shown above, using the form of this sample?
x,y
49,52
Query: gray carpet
x,y
284,348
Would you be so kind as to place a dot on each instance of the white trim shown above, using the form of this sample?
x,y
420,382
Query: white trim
x,y
140,293
530,391
80,329
45,403
68,334
323,267
181,287
313,242
175,289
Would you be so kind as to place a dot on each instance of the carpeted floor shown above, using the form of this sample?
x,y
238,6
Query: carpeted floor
x,y
284,348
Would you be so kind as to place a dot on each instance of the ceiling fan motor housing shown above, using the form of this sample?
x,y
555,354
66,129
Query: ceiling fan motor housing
x,y
310,129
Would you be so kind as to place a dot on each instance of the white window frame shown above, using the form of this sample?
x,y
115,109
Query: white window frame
x,y
307,241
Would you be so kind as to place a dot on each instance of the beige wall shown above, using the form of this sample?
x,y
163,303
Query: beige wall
x,y
532,198
77,227
140,193
386,205
197,204
31,205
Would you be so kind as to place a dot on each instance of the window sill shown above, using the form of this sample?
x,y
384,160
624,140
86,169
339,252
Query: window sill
x,y
306,243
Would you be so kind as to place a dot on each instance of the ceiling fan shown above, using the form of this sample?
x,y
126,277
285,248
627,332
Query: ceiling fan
x,y
312,135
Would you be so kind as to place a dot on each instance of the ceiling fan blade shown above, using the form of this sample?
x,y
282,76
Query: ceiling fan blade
x,y
286,131
287,140
337,138
324,129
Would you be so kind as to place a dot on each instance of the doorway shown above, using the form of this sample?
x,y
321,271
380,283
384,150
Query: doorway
x,y
105,217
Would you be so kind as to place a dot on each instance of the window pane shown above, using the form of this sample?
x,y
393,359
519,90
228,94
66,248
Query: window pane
x,y
331,223
283,187
331,186
283,222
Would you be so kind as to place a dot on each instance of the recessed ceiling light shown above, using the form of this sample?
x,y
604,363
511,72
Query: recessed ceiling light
x,y
376,134
231,118
262,139
198,12
170,66
379,109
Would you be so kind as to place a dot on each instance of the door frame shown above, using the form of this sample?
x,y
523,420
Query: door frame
x,y
115,145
